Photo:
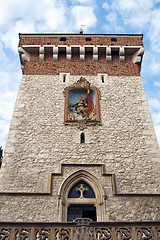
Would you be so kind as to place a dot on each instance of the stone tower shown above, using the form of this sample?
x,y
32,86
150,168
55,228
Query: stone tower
x,y
81,142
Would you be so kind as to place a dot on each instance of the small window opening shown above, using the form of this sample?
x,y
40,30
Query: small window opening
x,y
81,211
88,39
114,39
115,52
82,138
64,78
102,78
63,39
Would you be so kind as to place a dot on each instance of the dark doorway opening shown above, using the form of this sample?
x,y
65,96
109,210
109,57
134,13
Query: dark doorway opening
x,y
81,211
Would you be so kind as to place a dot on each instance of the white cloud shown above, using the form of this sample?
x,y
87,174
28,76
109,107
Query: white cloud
x,y
156,118
106,6
155,64
43,16
154,104
7,100
13,30
154,30
133,14
52,19
157,84
4,128
82,1
113,23
83,15
157,130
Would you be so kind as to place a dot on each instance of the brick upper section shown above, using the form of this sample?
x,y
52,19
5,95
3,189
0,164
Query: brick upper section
x,y
126,40
77,67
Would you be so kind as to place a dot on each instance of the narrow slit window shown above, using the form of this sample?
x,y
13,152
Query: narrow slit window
x,y
82,138
64,78
102,78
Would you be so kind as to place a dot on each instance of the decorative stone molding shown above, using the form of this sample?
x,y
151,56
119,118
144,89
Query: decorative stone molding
x,y
24,56
95,54
59,172
122,54
81,83
82,53
81,125
72,230
41,54
135,51
83,229
93,182
137,56
68,53
108,54
55,53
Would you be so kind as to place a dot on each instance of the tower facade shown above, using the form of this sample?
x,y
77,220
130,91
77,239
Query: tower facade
x,y
81,142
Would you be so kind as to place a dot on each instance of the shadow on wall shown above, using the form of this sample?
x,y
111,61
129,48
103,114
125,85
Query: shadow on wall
x,y
1,156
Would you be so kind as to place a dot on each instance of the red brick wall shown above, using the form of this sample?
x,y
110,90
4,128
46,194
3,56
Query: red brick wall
x,y
75,66
80,40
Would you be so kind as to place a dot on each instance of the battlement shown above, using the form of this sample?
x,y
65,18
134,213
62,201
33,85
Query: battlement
x,y
80,48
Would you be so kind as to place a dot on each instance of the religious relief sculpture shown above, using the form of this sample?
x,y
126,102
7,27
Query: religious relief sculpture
x,y
84,107
82,104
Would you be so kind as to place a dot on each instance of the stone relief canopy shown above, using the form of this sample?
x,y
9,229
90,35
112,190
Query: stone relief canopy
x,y
81,104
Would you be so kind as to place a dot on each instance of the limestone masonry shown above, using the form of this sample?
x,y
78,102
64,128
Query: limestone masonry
x,y
54,144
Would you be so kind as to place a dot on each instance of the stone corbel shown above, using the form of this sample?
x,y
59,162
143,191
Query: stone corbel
x,y
41,54
24,56
108,54
82,53
95,54
68,53
122,54
137,57
55,53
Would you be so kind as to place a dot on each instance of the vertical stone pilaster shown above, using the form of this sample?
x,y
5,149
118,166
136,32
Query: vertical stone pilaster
x,y
83,230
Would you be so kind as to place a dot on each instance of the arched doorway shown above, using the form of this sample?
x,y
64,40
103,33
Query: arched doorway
x,y
81,196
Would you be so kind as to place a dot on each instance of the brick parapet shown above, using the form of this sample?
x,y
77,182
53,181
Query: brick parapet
x,y
115,55
81,40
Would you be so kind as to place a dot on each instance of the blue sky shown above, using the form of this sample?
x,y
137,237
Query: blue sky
x,y
102,16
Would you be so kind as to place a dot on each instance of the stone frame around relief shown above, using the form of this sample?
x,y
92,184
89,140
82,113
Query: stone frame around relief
x,y
76,97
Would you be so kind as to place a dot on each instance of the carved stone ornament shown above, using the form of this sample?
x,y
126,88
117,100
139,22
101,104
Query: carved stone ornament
x,y
81,104
81,83
83,230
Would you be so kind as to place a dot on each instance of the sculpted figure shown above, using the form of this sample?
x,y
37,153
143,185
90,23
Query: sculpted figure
x,y
84,106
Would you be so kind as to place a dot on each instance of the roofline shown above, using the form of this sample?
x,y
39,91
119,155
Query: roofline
x,y
77,34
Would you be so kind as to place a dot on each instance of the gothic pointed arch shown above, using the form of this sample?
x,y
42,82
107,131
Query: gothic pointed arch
x,y
97,201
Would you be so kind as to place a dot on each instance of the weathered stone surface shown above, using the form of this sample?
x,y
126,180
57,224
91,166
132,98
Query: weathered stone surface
x,y
125,143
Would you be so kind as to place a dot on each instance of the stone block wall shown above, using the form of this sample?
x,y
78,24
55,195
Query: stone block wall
x,y
39,142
